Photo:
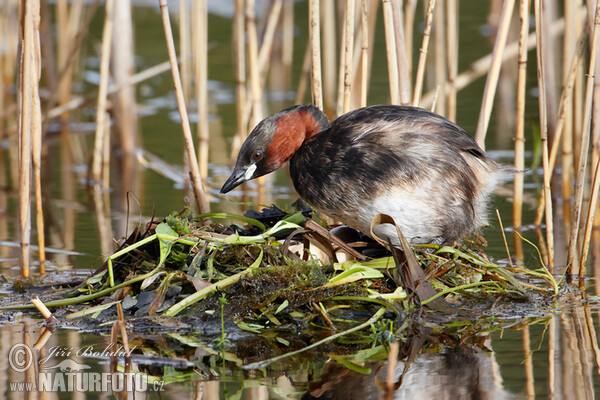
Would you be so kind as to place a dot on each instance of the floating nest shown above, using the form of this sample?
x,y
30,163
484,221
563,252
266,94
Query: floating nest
x,y
281,278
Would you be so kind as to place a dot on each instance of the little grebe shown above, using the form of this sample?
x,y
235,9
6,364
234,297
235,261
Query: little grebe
x,y
407,162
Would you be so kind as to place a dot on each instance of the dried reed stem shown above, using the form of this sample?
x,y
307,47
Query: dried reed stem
x,y
101,114
185,47
409,27
30,12
200,43
584,143
348,48
589,223
452,55
524,8
255,92
390,47
315,44
570,38
329,56
423,56
364,56
36,138
544,133
491,82
403,67
239,65
201,202
439,59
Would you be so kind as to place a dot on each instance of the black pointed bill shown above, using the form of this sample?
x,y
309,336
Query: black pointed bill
x,y
238,176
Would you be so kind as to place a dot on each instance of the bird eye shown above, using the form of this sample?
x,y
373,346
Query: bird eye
x,y
257,156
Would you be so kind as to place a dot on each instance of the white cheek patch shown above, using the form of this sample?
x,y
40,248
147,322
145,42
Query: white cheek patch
x,y
249,172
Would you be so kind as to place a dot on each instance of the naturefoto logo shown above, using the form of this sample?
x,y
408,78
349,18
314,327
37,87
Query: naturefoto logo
x,y
69,375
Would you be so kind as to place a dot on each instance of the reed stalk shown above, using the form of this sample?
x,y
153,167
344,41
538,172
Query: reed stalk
x,y
423,56
200,44
390,46
409,28
239,65
101,115
30,14
254,71
287,42
315,41
348,49
549,53
36,139
401,51
524,7
440,71
584,146
185,47
186,61
197,186
589,223
491,82
544,132
452,56
254,75
329,56
124,100
364,56
339,104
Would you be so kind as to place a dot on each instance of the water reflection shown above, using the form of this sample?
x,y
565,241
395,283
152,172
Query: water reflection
x,y
559,358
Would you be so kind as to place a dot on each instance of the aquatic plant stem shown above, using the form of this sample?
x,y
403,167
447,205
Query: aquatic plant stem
x,y
491,82
524,7
390,48
197,186
452,56
28,70
364,56
423,56
369,322
101,115
239,65
544,132
329,45
315,46
584,143
87,297
348,48
403,67
200,45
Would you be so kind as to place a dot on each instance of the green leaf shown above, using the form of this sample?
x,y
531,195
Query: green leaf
x,y
234,217
282,306
166,236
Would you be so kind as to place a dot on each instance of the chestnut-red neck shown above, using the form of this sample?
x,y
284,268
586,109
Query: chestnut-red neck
x,y
294,127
